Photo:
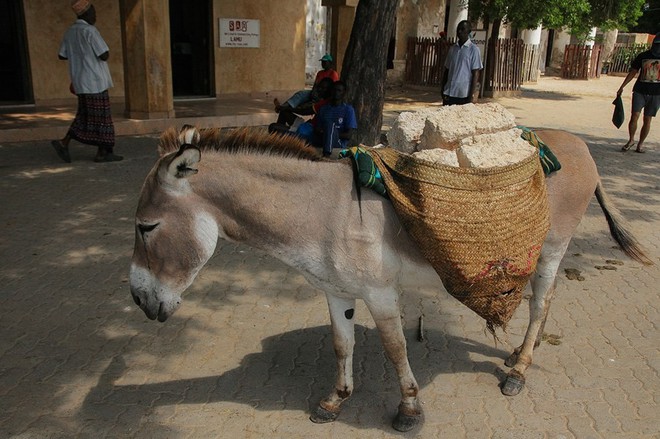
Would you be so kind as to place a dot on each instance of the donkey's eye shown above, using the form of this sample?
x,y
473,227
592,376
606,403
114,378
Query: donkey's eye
x,y
144,228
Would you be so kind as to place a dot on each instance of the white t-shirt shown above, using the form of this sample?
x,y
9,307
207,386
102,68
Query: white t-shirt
x,y
82,45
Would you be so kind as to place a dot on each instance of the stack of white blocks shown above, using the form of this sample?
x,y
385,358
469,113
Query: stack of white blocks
x,y
468,136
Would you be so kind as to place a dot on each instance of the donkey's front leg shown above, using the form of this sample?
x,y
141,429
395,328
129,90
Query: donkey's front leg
x,y
341,316
384,308
543,288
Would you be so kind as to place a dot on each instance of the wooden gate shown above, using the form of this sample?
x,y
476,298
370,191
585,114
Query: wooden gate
x,y
425,61
513,63
504,71
531,62
622,56
581,61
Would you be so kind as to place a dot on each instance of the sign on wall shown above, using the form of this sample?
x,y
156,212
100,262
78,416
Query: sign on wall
x,y
239,32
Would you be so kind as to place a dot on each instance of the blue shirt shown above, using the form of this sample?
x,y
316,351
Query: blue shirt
x,y
334,120
461,60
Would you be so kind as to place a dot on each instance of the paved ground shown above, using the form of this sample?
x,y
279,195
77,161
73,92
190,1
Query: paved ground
x,y
250,350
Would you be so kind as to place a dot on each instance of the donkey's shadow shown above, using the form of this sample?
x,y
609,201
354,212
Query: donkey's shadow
x,y
296,369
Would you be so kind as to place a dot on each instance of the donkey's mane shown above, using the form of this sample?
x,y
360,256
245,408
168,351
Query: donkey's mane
x,y
244,141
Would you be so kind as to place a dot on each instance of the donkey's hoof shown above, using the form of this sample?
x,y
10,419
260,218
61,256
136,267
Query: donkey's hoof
x,y
513,384
406,420
322,416
512,360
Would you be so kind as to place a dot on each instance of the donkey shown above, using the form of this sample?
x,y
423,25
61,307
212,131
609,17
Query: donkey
x,y
276,194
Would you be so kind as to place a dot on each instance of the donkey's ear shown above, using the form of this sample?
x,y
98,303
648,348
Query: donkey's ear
x,y
183,162
188,135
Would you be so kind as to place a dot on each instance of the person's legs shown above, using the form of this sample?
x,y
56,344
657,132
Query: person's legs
x,y
632,129
61,146
286,116
650,110
646,128
451,100
638,103
299,97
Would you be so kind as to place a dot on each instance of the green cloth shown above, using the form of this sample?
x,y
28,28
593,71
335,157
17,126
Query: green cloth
x,y
549,161
368,174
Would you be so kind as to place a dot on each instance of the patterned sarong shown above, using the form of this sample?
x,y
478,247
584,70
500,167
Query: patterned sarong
x,y
93,122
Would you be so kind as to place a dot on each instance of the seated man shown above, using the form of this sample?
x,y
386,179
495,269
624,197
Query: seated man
x,y
287,116
305,96
335,122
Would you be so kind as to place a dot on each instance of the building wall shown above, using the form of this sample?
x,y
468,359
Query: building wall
x,y
415,18
46,21
279,64
316,42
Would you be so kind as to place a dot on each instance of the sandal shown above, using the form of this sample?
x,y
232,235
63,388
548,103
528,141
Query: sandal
x,y
640,150
627,146
61,150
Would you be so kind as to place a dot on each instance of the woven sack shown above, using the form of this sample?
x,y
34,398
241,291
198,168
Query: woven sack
x,y
481,229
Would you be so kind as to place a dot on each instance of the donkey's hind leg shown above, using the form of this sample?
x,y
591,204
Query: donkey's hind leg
x,y
543,289
341,317
384,308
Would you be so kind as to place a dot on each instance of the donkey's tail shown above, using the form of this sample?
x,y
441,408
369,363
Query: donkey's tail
x,y
618,228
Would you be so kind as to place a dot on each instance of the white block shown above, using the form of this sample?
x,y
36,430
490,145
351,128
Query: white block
x,y
406,129
490,150
447,126
438,155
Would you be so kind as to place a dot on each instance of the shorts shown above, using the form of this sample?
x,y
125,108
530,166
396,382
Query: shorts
x,y
649,103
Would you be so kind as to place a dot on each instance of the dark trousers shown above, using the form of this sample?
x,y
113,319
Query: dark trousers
x,y
450,100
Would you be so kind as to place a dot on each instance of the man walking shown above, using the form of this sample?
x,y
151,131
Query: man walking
x,y
87,54
646,93
460,84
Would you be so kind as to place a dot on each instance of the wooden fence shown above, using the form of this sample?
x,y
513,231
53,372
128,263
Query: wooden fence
x,y
581,61
425,60
531,63
514,63
504,71
622,55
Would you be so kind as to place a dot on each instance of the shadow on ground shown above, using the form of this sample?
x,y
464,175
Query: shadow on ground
x,y
292,372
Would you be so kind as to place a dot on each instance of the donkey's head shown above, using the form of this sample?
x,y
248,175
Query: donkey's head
x,y
175,235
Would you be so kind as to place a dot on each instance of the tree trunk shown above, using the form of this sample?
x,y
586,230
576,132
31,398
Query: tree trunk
x,y
364,69
489,70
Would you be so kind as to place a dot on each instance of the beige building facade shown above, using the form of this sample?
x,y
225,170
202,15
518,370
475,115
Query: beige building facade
x,y
161,50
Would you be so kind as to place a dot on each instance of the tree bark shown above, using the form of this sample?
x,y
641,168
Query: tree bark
x,y
364,69
489,70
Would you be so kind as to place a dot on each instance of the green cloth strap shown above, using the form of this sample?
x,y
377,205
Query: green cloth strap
x,y
549,161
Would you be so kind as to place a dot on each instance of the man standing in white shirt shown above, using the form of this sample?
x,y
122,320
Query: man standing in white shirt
x,y
87,54
460,84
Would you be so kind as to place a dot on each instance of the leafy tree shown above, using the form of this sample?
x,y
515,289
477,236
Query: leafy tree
x,y
649,22
578,15
364,69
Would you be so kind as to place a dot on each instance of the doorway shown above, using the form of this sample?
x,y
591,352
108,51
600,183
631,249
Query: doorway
x,y
191,39
15,79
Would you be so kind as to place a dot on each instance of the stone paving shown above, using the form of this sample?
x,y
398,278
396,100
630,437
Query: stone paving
x,y
250,351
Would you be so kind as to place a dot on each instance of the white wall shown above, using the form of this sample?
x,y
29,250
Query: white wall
x,y
316,39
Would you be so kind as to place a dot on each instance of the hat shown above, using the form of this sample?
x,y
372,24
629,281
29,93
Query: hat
x,y
326,57
80,6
